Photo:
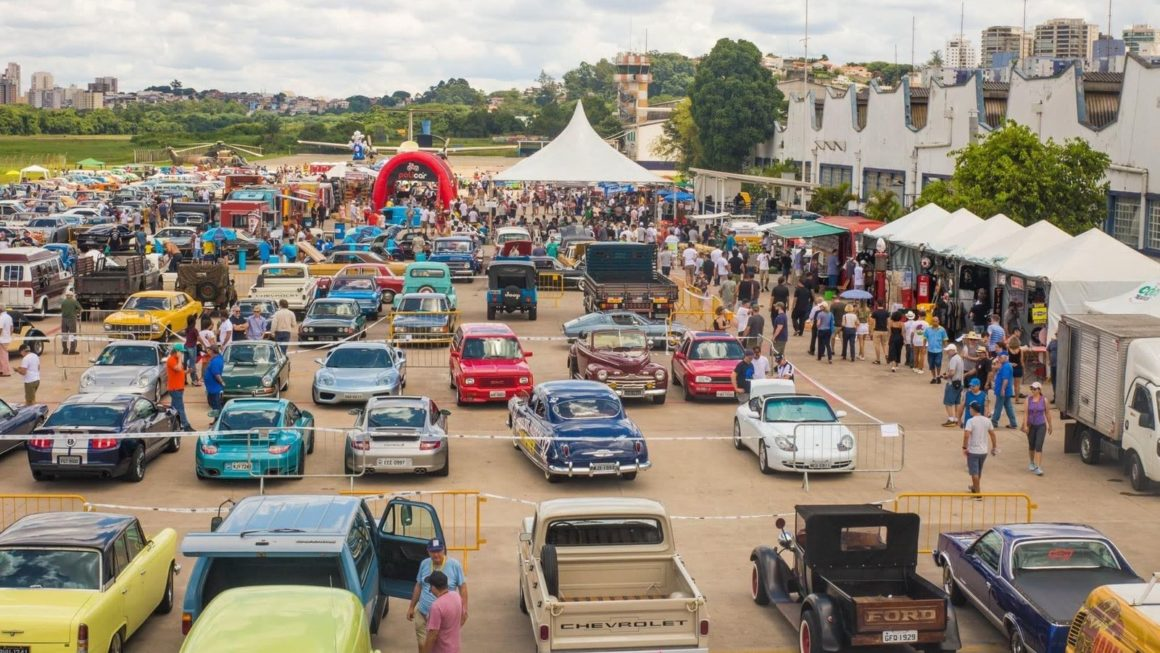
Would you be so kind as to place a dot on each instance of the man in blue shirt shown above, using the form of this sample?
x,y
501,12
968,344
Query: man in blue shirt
x,y
423,597
832,269
214,384
995,334
1004,392
936,338
730,242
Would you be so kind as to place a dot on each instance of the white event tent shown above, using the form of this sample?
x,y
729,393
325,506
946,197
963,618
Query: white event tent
x,y
915,220
995,231
579,156
935,236
1143,299
1028,243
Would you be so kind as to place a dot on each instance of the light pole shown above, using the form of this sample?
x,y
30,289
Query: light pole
x,y
808,109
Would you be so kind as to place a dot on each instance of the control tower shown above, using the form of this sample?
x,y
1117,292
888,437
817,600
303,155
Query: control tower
x,y
632,79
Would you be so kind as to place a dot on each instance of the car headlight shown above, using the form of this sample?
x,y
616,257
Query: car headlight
x,y
143,380
307,329
108,327
846,443
785,443
703,379
659,374
469,381
156,327
86,381
524,380
326,378
384,379
601,374
267,381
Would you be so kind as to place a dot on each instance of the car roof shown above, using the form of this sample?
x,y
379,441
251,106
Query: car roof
x,y
1042,530
150,344
362,345
498,265
422,294
311,513
100,398
333,300
260,402
487,329
615,328
397,400
80,529
324,618
417,265
571,388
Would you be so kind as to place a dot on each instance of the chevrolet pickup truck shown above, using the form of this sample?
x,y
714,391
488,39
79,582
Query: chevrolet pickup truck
x,y
603,574
290,281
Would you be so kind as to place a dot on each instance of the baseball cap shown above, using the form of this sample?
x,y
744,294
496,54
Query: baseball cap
x,y
436,545
975,382
950,348
179,347
1037,385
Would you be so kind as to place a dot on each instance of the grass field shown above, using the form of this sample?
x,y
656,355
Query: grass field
x,y
55,151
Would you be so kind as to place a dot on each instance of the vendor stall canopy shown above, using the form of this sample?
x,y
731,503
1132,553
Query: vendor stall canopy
x,y
995,231
915,220
935,235
1029,243
1144,299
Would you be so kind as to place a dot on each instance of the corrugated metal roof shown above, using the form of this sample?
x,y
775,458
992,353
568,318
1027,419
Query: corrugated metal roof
x,y
1103,78
1101,108
919,92
918,114
996,110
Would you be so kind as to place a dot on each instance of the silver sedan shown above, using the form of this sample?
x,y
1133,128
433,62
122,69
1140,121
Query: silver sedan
x,y
128,367
398,435
358,371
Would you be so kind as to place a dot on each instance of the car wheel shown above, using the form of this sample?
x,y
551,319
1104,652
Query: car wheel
x,y
552,478
300,472
763,459
136,472
174,445
377,617
737,444
491,312
1017,645
310,441
446,467
1136,474
688,395
1089,447
116,645
40,477
757,584
673,375
388,299
951,587
166,604
810,633
659,399
523,600
459,398
36,346
532,314
628,476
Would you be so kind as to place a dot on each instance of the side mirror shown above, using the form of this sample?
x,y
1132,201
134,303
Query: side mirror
x,y
406,516
527,354
215,522
839,413
355,411
785,539
454,354
319,361
526,538
751,414
444,412
93,361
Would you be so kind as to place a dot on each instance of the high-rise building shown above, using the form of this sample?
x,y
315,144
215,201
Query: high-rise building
x,y
960,53
633,76
104,85
1003,39
1139,37
10,85
41,81
1066,38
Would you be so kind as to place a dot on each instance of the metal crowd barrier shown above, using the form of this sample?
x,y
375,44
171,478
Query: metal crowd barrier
x,y
550,287
15,506
422,329
460,514
962,511
849,447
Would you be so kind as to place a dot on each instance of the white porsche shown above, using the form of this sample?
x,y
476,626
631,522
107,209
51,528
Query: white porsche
x,y
792,432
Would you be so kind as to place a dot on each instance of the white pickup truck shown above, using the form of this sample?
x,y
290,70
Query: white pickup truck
x,y
290,281
603,574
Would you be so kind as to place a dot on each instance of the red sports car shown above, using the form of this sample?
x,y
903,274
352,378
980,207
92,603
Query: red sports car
x,y
703,363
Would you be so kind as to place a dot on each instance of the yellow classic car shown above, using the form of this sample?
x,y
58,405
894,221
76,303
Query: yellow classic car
x,y
81,581
152,315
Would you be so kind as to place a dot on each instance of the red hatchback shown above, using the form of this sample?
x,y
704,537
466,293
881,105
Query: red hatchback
x,y
488,364
703,363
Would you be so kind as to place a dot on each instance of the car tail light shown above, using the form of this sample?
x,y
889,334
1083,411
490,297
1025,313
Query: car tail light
x,y
638,447
27,292
544,632
103,443
361,445
40,443
566,451
83,638
704,627
429,445
186,622
278,449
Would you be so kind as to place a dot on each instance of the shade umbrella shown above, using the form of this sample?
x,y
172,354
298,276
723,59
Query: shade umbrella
x,y
856,294
12,173
226,234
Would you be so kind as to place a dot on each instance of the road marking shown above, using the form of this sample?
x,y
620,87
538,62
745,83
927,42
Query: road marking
x,y
833,395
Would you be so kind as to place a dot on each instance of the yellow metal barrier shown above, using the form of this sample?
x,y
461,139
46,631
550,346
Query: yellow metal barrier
x,y
15,506
550,286
460,514
962,511
422,328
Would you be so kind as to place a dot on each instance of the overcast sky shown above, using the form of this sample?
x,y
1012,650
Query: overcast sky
x,y
336,48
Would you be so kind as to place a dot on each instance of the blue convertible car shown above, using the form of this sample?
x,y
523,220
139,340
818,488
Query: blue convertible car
x,y
256,437
577,428
1030,579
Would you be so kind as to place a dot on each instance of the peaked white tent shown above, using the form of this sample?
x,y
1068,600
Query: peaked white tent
x,y
936,236
34,170
916,219
1028,243
996,230
1143,299
579,156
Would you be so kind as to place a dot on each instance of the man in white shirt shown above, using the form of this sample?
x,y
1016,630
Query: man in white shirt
x,y
975,436
760,364
689,260
763,269
30,369
741,317
5,340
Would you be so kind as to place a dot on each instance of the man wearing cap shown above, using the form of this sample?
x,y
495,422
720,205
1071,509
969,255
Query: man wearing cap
x,y
975,395
70,310
742,376
936,343
29,368
445,618
214,384
953,390
423,598
782,368
175,382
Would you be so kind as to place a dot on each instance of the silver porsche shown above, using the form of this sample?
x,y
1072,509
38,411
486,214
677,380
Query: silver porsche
x,y
358,371
128,367
398,435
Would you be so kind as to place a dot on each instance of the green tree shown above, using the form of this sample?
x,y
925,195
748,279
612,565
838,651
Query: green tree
x,y
936,59
733,99
548,89
359,103
681,140
831,200
884,206
1014,173
672,74
587,80
452,91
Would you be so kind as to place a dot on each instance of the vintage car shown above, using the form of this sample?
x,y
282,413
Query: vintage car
x,y
511,287
328,320
338,260
398,435
388,282
577,428
504,234
487,364
422,318
619,358
290,281
703,363
550,268
183,238
793,432
661,333
18,421
50,229
23,330
363,290
255,368
115,237
1121,618
128,367
1029,580
847,577
256,437
247,306
68,254
153,315
102,435
357,371
398,243
82,581
461,255
239,620
426,277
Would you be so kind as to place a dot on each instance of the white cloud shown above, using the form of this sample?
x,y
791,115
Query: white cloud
x,y
371,47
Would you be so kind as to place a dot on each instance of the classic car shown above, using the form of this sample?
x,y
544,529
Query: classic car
x,y
487,364
1029,580
50,229
116,237
102,435
18,421
661,332
847,577
428,277
191,219
577,428
549,267
398,435
239,620
703,363
504,234
247,306
460,254
255,368
338,260
68,254
422,318
328,320
398,243
619,358
241,242
363,290
792,432
82,581
361,233
511,287
1121,618
23,330
357,371
131,367
153,315
183,238
256,437
388,282
290,281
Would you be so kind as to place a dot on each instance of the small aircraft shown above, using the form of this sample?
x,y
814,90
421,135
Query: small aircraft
x,y
218,153
360,147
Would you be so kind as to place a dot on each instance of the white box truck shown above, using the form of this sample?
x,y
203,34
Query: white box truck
x,y
1108,378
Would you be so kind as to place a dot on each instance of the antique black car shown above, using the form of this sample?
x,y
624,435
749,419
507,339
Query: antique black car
x,y
117,237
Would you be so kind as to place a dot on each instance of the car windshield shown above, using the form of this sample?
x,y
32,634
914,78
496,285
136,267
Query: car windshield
x,y
716,350
143,356
6,411
427,273
386,417
104,415
173,233
619,341
497,348
42,222
333,309
797,409
244,418
588,408
422,305
1062,554
146,304
54,569
246,354
452,246
247,306
359,358
353,283
284,273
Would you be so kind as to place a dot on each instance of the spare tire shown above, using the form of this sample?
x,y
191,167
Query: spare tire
x,y
205,291
511,298
551,566
426,289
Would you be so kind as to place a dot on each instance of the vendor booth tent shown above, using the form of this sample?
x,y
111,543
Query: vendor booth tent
x,y
579,156
935,235
34,170
913,220
994,230
1143,299
1025,245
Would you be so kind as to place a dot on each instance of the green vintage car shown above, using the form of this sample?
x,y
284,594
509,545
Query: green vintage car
x,y
308,620
255,368
428,277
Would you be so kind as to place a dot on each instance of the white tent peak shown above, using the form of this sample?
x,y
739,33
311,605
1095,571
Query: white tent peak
x,y
579,156
937,235
994,231
913,220
1032,240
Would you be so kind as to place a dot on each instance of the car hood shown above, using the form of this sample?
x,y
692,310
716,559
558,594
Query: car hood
x,y
328,322
713,367
114,375
450,256
495,367
135,317
421,320
354,294
631,362
233,371
367,376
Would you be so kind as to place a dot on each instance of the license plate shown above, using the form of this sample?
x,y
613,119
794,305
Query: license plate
x,y
239,467
899,636
352,395
633,392
819,465
497,394
393,462
68,460
14,649
604,467
724,393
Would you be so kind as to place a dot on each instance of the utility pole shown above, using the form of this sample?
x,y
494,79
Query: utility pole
x,y
912,27
806,98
